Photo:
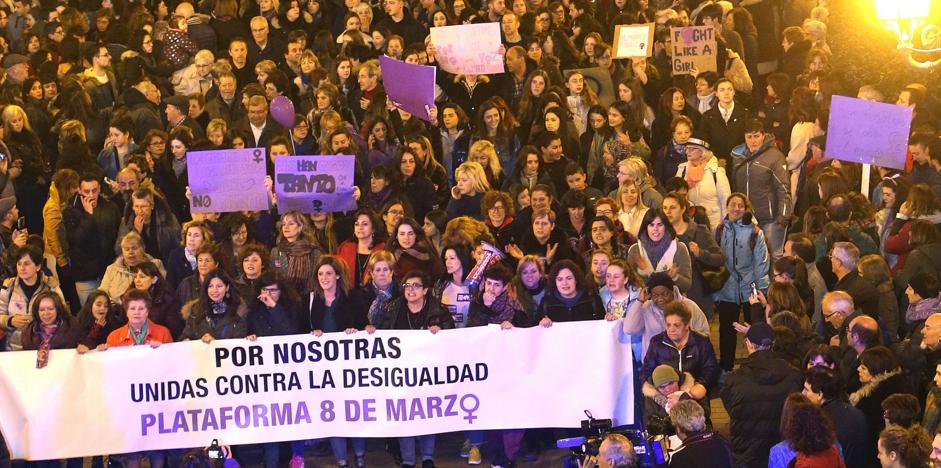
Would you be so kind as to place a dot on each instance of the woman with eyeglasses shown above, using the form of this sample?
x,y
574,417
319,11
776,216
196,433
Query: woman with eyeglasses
x,y
416,309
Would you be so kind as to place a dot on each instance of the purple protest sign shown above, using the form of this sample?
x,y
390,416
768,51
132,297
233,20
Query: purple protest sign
x,y
468,49
868,132
410,87
227,180
314,184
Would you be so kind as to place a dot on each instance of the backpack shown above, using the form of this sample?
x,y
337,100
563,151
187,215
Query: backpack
x,y
714,278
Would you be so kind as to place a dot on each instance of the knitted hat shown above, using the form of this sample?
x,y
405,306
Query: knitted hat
x,y
664,374
660,278
925,286
760,334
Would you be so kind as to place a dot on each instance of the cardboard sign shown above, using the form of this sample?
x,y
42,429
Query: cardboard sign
x,y
468,49
227,180
694,47
409,87
633,40
868,132
314,184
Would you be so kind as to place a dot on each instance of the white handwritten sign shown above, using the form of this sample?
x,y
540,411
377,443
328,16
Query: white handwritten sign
x,y
468,49
633,40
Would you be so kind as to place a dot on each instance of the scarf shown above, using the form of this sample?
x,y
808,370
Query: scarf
x,y
378,304
503,308
190,258
216,310
570,302
538,289
424,257
694,173
923,309
46,332
656,251
705,102
300,267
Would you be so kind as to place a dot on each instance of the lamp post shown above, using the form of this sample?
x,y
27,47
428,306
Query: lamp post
x,y
907,18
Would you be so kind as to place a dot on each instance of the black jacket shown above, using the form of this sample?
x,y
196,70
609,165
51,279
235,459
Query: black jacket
x,y
393,316
724,136
864,294
852,433
699,448
697,357
587,307
753,396
144,114
350,309
90,237
282,319
870,396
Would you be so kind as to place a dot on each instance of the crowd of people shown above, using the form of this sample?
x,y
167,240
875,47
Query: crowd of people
x,y
687,199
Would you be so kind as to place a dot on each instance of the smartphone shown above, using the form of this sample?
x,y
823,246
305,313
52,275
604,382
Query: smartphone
x,y
754,290
108,181
20,223
214,451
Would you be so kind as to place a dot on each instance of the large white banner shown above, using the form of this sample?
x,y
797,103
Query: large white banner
x,y
390,383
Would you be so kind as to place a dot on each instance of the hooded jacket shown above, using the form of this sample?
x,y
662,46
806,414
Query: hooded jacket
x,y
762,176
697,357
644,320
746,264
752,395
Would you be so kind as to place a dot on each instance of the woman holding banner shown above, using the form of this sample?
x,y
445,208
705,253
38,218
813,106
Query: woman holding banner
x,y
336,307
218,314
52,327
416,310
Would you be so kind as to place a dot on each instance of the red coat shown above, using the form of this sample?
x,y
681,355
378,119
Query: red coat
x,y
347,251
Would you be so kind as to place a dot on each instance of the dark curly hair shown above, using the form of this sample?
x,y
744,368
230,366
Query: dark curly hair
x,y
804,426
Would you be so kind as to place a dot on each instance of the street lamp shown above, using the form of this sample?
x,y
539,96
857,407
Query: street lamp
x,y
907,18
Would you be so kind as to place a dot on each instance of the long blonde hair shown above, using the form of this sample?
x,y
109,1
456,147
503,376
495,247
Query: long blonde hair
x,y
307,229
622,189
9,113
485,148
476,173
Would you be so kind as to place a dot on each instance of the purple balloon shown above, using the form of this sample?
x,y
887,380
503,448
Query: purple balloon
x,y
282,110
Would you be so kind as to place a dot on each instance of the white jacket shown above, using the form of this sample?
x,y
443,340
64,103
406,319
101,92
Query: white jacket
x,y
711,192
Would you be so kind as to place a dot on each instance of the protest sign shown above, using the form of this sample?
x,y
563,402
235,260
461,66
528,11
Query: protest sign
x,y
468,49
385,384
227,180
868,132
633,40
314,184
694,47
409,87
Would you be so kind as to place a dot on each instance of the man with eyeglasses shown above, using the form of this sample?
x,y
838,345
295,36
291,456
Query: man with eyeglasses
x,y
263,45
106,89
196,77
838,310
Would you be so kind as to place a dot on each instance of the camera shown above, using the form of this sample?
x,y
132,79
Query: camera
x,y
215,451
650,449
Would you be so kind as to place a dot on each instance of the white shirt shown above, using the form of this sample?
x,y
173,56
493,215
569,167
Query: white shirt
x,y
256,131
726,113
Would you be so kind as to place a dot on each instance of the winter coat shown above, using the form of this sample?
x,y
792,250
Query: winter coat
x,y
923,260
161,235
851,431
144,114
666,160
747,264
54,235
67,336
722,135
703,446
119,278
762,176
392,314
90,237
710,254
178,267
421,195
165,308
588,306
680,258
13,302
280,320
898,241
465,205
697,357
711,192
870,396
753,395
350,310
644,320
482,315
231,325
110,162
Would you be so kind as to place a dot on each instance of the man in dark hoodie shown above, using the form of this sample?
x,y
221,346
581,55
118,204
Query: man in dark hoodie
x,y
142,104
753,396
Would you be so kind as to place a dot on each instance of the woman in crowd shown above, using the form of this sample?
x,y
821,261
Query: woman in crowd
x,y
182,261
703,249
470,185
809,437
380,286
922,203
415,184
217,314
252,261
366,239
669,156
901,447
416,309
424,155
236,233
32,185
498,128
483,152
631,208
881,376
164,306
635,169
925,257
434,226
892,191
568,298
297,252
597,261
20,292
873,269
411,249
529,284
747,259
450,290
52,327
671,106
621,288
207,260
98,318
527,170
707,182
658,249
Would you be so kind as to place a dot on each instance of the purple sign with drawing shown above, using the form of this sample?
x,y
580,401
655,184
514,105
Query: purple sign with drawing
x,y
227,180
409,87
314,184
868,132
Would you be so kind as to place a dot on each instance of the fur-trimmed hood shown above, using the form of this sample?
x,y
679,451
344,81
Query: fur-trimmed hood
x,y
869,387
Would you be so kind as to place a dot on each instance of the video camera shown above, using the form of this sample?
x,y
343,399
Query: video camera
x,y
650,452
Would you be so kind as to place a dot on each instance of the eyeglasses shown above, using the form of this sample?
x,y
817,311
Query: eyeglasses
x,y
271,290
412,286
604,212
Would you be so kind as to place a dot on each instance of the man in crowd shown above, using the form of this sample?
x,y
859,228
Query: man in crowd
x,y
699,443
91,225
823,387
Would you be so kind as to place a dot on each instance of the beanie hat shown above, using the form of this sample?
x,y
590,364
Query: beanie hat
x,y
664,374
925,286
760,334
